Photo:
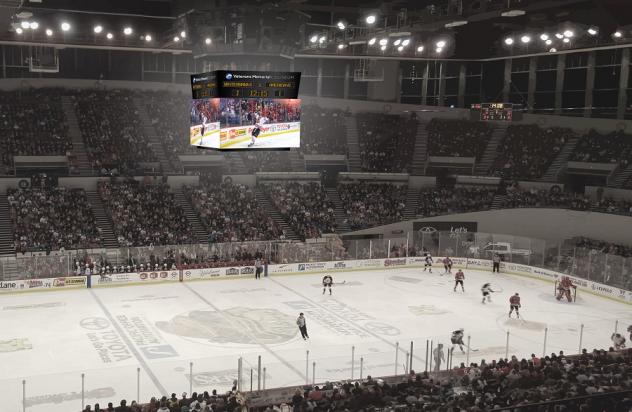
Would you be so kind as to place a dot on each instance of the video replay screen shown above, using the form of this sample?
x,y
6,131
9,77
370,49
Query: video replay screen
x,y
241,110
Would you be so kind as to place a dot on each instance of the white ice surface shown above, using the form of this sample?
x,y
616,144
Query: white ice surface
x,y
270,142
372,311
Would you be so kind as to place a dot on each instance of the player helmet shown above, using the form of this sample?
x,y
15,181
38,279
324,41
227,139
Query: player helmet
x,y
517,294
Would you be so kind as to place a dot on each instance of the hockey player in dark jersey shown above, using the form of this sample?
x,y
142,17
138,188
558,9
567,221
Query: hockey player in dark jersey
x,y
487,291
327,282
457,339
514,304
458,280
428,264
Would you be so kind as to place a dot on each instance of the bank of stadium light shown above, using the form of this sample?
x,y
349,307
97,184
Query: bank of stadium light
x,y
509,41
98,29
566,40
314,38
400,49
552,50
370,19
544,37
559,36
25,24
322,39
19,30
593,31
341,25
208,41
372,41
127,31
397,42
65,26
420,49
383,42
34,25
110,36
405,42
568,33
341,46
147,38
525,39
439,50
383,47
49,32
440,45
176,39
183,34
617,34
548,42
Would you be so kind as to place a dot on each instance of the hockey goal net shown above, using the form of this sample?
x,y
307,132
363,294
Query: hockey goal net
x,y
573,292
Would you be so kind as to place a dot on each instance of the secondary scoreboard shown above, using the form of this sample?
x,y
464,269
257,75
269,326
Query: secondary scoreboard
x,y
492,111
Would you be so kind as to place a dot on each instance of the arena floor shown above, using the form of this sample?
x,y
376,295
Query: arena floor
x,y
125,338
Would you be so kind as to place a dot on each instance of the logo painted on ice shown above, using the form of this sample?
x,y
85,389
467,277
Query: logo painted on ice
x,y
94,323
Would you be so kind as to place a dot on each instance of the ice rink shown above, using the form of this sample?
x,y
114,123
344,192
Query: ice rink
x,y
291,139
149,338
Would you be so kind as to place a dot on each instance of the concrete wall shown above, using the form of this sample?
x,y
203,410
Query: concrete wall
x,y
548,224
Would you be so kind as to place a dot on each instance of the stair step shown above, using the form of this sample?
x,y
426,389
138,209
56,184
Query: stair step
x,y
276,215
192,216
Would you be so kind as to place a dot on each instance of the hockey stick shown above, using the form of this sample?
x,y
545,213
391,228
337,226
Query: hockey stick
x,y
498,290
340,283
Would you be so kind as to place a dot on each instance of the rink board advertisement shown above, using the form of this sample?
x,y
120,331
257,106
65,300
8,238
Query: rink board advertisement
x,y
72,282
245,110
215,273
112,279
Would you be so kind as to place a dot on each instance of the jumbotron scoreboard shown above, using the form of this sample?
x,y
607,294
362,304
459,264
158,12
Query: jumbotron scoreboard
x,y
246,85
492,111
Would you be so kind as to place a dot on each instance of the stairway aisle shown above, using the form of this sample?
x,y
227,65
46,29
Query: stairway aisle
x,y
491,151
353,144
339,212
103,220
201,232
74,132
554,170
265,202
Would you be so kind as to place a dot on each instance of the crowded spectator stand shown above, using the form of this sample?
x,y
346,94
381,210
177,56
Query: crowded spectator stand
x,y
386,141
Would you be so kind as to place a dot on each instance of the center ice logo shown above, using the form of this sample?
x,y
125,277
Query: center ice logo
x,y
234,325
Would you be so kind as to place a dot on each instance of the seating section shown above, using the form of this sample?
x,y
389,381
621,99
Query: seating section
x,y
50,219
518,197
264,161
386,142
457,138
305,207
145,214
368,205
231,213
32,123
443,201
114,140
615,147
323,131
528,150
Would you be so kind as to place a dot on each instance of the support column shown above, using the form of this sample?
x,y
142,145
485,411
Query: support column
x,y
623,83
319,78
590,84
507,80
345,92
559,82
532,82
442,69
400,77
424,85
142,66
4,63
461,92
173,68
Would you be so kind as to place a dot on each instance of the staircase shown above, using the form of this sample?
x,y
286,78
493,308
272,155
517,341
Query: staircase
x,y
296,163
552,173
263,200
491,151
9,269
420,151
201,233
353,144
6,228
498,202
236,162
150,132
339,212
620,177
412,203
103,221
74,132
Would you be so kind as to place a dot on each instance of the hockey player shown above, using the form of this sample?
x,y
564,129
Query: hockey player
x,y
457,339
438,356
564,288
447,265
327,282
514,304
458,280
257,129
630,330
302,326
618,341
428,264
496,263
487,292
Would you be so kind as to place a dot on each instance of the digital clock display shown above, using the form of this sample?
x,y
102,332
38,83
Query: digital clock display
x,y
492,111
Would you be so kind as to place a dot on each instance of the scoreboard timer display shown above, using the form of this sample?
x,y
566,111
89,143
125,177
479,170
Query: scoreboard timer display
x,y
492,111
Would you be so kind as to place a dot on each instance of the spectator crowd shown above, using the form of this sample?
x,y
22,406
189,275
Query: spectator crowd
x,y
386,142
614,147
457,138
371,204
145,214
46,219
443,201
231,213
305,207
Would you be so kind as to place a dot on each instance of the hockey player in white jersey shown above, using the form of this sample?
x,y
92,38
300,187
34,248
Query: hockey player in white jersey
x,y
327,282
618,341
457,339
428,264
487,291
